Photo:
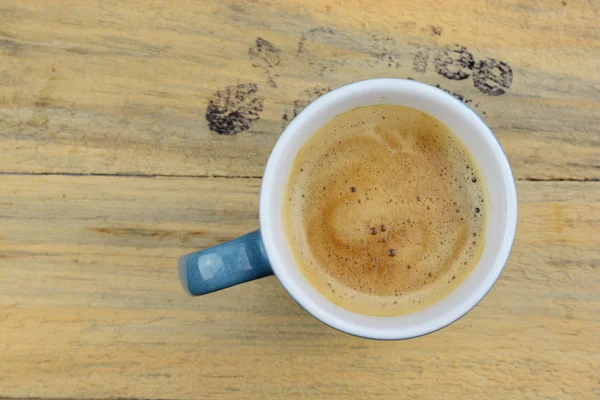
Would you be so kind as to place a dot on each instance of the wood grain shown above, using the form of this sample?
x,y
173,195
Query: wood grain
x,y
116,87
90,304
176,105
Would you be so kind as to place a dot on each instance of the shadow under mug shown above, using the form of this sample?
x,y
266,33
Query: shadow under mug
x,y
265,252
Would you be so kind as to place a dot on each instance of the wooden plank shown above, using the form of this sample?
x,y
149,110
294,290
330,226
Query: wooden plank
x,y
124,88
90,304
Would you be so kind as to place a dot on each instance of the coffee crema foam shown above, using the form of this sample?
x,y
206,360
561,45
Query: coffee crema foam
x,y
385,210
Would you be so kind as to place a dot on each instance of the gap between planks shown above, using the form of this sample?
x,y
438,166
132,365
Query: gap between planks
x,y
126,175
83,398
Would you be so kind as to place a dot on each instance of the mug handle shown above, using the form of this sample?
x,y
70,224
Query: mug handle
x,y
224,265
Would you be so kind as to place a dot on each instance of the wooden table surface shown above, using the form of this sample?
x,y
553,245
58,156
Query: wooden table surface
x,y
132,132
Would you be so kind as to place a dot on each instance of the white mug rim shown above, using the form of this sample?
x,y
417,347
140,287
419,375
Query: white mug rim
x,y
268,215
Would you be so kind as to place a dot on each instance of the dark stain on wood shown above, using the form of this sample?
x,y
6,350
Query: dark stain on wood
x,y
234,109
266,57
309,52
303,99
384,51
436,30
306,97
420,61
320,31
492,77
458,96
456,64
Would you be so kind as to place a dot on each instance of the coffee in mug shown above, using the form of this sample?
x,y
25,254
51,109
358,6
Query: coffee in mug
x,y
385,210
